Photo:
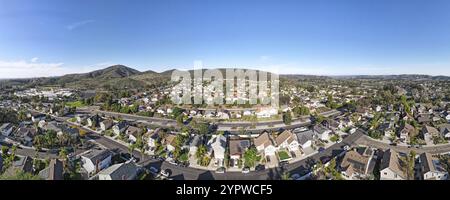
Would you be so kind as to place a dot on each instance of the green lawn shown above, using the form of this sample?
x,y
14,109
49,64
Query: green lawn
x,y
75,104
283,155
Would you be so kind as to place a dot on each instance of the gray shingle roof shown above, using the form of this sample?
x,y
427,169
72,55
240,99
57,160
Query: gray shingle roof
x,y
121,171
305,136
53,172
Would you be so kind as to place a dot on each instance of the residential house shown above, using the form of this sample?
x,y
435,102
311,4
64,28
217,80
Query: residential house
x,y
6,129
42,124
22,163
194,144
428,132
444,130
121,171
431,168
333,125
36,117
305,139
120,128
406,132
424,119
53,126
26,134
95,160
133,133
106,124
93,121
81,119
322,132
169,142
54,171
264,143
152,138
287,140
387,128
237,149
358,163
390,167
217,145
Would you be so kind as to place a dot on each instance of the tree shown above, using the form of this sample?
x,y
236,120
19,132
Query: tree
x,y
184,157
201,151
63,154
202,128
301,110
250,157
141,146
180,119
407,164
131,148
285,176
287,118
20,175
4,150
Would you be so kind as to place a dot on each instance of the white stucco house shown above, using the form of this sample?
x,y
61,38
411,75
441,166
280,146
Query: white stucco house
x,y
217,145
287,140
265,144
390,166
431,168
96,160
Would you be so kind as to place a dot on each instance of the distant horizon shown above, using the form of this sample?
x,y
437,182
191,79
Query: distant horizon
x,y
322,37
185,69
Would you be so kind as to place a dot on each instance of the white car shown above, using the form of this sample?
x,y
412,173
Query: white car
x,y
245,170
165,173
346,147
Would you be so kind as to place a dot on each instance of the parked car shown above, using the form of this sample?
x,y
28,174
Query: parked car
x,y
173,162
245,170
346,147
260,168
295,176
184,164
153,170
220,170
165,173
321,149
393,144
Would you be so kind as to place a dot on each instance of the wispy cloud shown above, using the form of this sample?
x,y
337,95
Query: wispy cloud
x,y
29,69
35,59
76,25
264,58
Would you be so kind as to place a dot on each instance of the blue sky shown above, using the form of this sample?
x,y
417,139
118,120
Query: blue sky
x,y
334,37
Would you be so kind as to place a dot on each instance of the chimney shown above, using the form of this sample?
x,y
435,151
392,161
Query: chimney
x,y
97,169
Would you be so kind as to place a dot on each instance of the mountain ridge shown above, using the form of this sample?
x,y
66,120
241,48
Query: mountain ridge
x,y
121,76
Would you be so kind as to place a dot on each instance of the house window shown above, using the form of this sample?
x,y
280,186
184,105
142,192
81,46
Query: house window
x,y
385,173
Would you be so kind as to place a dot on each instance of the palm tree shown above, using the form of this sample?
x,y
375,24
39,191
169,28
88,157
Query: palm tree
x,y
285,176
131,149
201,151
63,156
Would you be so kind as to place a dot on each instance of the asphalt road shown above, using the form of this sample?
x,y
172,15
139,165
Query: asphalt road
x,y
437,149
222,126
